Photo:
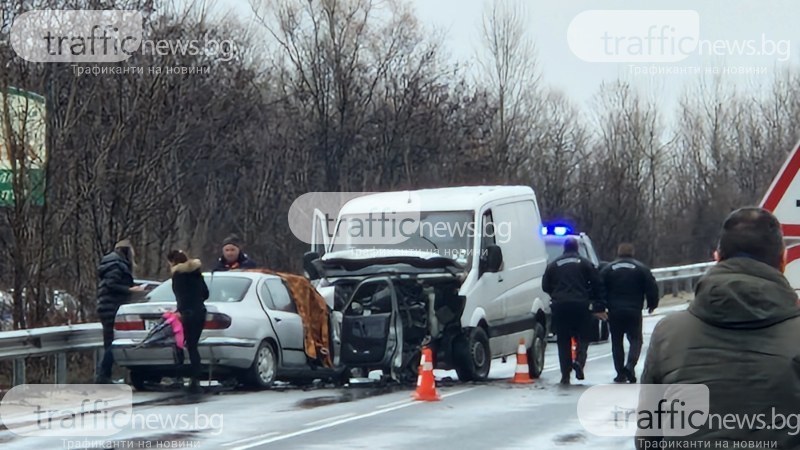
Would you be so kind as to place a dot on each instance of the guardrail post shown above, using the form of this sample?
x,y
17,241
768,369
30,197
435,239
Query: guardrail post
x,y
690,284
675,288
19,372
61,368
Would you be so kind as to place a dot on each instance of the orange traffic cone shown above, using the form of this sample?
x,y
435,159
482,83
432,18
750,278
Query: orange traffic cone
x,y
522,375
426,384
574,343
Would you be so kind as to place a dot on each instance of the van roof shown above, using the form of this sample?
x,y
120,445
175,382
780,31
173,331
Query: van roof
x,y
465,198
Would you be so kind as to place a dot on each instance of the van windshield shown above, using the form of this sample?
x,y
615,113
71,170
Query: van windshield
x,y
446,233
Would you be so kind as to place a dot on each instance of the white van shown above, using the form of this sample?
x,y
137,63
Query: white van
x,y
466,279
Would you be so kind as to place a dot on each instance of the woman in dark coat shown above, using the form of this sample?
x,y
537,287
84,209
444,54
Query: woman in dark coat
x,y
114,288
190,292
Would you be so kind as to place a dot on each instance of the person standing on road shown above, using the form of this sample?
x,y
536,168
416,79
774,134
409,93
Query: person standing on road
x,y
191,292
739,337
628,283
114,288
575,289
233,257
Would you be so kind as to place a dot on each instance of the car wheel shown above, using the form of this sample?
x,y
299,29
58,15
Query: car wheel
x,y
536,351
263,372
474,358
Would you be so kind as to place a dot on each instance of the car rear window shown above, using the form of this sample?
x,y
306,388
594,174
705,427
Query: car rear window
x,y
221,289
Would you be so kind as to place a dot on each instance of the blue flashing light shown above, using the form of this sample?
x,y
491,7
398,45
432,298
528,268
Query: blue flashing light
x,y
556,230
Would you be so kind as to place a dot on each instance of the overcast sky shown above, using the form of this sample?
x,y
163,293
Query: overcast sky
x,y
729,22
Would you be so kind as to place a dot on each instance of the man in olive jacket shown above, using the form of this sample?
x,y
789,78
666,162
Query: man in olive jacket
x,y
740,337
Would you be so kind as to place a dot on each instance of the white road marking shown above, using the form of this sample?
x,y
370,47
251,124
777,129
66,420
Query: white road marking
x,y
389,405
340,422
327,419
251,438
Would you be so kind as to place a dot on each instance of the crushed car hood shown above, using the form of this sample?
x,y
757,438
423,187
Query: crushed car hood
x,y
352,260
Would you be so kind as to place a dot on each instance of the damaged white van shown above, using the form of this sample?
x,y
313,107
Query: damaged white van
x,y
457,269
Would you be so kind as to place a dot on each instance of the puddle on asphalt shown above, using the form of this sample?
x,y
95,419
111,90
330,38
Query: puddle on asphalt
x,y
571,438
348,395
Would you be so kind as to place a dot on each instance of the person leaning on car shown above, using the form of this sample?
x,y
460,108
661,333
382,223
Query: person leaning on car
x,y
575,289
114,288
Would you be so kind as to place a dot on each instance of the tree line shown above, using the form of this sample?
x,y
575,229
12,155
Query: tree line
x,y
353,95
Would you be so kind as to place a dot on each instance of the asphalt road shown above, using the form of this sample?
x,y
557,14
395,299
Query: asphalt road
x,y
491,415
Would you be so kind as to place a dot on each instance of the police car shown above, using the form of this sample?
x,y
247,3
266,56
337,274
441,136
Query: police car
x,y
554,237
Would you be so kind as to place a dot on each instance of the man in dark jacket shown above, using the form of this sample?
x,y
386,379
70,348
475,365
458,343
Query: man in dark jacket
x,y
233,257
575,289
114,288
739,337
627,282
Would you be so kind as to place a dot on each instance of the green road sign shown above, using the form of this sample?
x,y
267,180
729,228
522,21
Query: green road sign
x,y
27,118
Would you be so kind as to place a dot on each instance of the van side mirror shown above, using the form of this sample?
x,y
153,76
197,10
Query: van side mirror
x,y
492,260
309,267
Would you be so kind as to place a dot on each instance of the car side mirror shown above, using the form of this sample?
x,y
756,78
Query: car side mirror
x,y
309,267
492,260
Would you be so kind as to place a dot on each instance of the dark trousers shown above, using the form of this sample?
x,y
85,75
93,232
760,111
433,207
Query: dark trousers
x,y
193,322
625,324
571,320
107,363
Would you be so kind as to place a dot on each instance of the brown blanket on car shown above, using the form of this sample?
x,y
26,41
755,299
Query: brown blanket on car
x,y
313,310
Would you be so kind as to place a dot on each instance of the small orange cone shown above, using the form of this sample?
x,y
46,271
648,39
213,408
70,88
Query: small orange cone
x,y
522,375
574,348
426,383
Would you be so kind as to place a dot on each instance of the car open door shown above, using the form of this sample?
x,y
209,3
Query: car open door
x,y
320,234
371,337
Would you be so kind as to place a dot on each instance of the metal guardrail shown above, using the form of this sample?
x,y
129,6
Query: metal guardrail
x,y
679,278
58,341
49,341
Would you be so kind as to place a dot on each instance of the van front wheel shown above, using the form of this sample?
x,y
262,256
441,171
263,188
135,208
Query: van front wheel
x,y
473,356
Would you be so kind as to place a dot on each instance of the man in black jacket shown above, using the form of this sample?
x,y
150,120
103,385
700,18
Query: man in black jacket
x,y
114,288
575,289
233,257
628,283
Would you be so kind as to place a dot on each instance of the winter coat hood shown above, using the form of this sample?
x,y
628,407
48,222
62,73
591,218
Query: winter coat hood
x,y
188,266
742,293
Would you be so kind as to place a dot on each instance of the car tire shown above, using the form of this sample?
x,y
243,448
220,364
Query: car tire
x,y
264,370
473,356
536,351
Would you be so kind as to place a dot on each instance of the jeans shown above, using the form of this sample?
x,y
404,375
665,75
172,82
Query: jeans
x,y
107,363
193,322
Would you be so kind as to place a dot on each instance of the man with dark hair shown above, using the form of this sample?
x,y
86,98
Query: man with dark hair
x,y
739,337
233,257
628,283
575,289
